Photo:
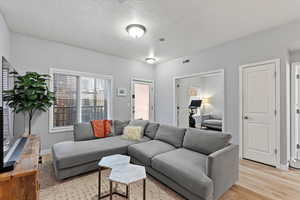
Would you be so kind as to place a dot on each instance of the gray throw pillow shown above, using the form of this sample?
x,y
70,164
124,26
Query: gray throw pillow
x,y
151,130
140,123
118,127
205,142
171,135
83,131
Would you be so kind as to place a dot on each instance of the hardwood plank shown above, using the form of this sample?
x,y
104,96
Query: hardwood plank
x,y
240,193
262,182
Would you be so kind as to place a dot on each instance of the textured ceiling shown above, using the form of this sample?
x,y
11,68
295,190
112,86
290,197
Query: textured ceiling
x,y
187,25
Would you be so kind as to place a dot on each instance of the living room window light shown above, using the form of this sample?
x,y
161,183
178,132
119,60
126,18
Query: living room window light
x,y
80,97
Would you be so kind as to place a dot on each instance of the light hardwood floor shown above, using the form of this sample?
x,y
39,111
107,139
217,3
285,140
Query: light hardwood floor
x,y
261,182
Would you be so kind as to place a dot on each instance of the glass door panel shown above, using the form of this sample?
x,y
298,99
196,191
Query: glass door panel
x,y
142,100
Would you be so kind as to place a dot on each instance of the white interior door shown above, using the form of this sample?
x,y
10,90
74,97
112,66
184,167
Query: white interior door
x,y
142,100
259,113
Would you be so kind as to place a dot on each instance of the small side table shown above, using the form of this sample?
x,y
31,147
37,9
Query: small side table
x,y
128,175
110,162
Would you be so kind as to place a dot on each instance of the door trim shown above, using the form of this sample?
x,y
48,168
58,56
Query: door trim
x,y
152,98
293,154
277,105
208,73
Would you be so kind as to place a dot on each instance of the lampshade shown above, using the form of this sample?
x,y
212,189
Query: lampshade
x,y
205,100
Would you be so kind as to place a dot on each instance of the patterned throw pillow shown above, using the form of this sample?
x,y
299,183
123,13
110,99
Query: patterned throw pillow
x,y
132,133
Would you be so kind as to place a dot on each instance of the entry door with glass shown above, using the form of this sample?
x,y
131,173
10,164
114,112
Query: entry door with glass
x,y
142,100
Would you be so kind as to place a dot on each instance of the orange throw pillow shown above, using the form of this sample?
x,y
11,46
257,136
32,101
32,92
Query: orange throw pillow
x,y
101,128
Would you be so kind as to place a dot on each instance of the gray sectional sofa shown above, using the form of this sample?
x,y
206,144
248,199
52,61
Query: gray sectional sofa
x,y
198,164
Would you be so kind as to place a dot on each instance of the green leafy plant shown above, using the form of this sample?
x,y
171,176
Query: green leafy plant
x,y
29,94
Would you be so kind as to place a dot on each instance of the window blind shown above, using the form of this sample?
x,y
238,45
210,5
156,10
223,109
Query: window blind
x,y
65,108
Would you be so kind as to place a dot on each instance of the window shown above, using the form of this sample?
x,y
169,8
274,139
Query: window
x,y
80,97
65,107
7,84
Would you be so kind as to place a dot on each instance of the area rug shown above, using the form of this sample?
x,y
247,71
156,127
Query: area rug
x,y
85,187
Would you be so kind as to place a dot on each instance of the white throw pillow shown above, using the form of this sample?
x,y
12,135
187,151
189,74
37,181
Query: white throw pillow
x,y
132,132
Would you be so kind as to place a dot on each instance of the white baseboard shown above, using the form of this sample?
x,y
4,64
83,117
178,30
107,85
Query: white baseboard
x,y
45,152
284,167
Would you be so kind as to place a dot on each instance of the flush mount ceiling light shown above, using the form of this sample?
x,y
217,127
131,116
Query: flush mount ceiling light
x,y
136,30
150,60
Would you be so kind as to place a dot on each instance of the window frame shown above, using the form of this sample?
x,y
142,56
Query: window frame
x,y
53,71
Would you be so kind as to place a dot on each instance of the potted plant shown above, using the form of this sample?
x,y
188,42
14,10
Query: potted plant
x,y
29,94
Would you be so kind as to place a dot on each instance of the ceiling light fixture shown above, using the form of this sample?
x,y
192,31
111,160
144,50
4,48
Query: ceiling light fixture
x,y
150,60
136,30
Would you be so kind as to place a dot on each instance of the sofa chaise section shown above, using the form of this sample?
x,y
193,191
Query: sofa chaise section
x,y
186,168
73,155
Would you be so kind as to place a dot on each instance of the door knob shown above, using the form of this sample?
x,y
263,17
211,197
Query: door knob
x,y
246,117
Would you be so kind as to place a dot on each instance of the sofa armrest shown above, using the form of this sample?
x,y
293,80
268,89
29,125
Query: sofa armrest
x,y
223,168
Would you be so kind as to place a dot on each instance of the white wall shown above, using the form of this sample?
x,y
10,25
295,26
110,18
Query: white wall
x,y
4,39
261,46
31,54
214,90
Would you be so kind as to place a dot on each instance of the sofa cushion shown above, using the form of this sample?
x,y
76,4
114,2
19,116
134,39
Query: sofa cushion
x,y
132,132
151,130
171,135
187,169
83,131
118,127
205,142
70,154
213,122
141,123
144,152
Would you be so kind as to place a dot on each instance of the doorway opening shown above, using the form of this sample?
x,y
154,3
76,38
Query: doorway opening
x,y
199,100
142,99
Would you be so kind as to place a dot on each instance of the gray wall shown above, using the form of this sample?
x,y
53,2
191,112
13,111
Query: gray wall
x,y
31,54
295,56
261,46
